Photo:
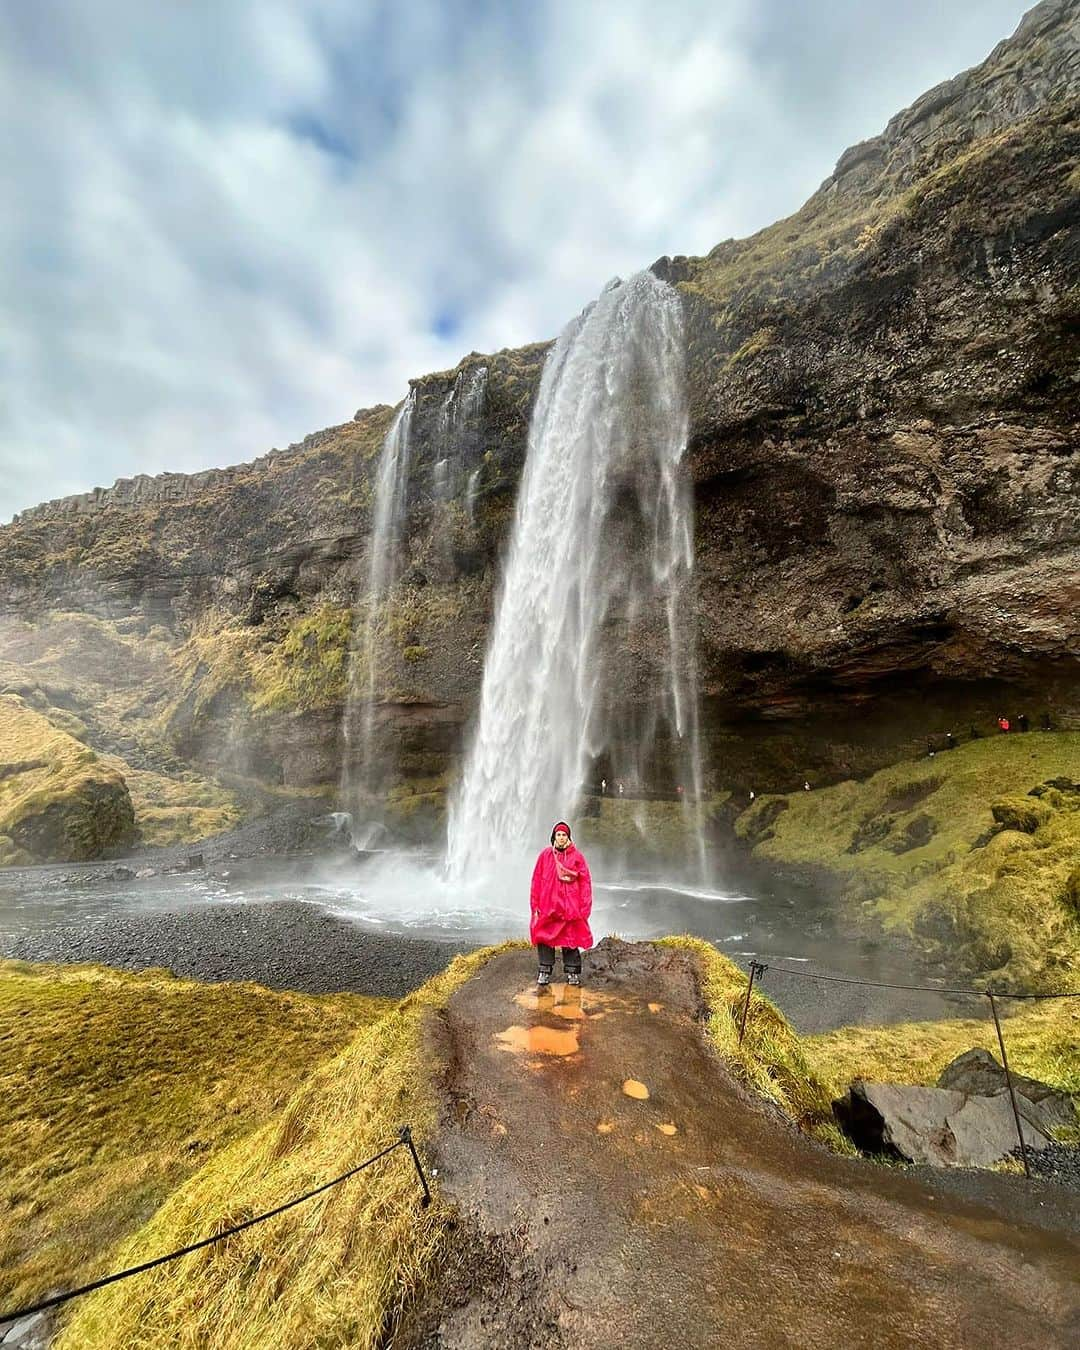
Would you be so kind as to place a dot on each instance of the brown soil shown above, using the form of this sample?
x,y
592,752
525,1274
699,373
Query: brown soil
x,y
594,1215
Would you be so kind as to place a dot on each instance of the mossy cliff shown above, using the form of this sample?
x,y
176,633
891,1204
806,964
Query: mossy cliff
x,y
58,801
86,764
975,853
882,445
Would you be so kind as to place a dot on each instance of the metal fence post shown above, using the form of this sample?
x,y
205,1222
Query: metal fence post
x,y
405,1135
756,968
1008,1079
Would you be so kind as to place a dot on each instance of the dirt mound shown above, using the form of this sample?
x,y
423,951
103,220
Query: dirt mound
x,y
618,1188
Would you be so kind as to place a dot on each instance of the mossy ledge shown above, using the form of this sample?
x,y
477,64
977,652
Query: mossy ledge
x,y
972,854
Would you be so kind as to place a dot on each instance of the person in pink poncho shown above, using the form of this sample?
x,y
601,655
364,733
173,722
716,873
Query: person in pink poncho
x,y
561,901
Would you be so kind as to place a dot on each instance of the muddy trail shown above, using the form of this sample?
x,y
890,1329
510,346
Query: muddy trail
x,y
616,1187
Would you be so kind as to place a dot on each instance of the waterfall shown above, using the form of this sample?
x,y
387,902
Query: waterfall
x,y
391,502
602,540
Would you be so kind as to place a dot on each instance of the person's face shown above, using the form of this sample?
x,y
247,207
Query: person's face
x,y
561,839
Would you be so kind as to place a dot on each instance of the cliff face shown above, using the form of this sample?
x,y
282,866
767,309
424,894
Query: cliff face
x,y
883,446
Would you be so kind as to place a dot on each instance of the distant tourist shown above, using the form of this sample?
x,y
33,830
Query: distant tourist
x,y
751,794
1022,722
1046,721
950,741
603,786
806,786
930,748
679,790
620,789
561,902
1003,724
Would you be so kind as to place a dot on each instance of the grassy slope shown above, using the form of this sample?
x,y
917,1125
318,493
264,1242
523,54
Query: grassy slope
x,y
1041,1040
42,763
335,1270
771,1058
330,1271
912,842
114,1088
106,688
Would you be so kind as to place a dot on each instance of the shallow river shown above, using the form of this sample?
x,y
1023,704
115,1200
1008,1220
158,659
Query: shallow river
x,y
66,914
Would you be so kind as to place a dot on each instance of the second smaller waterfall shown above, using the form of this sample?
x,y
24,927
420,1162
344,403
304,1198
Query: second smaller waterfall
x,y
391,503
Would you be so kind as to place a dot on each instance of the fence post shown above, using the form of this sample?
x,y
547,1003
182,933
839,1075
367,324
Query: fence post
x,y
1008,1079
756,968
405,1134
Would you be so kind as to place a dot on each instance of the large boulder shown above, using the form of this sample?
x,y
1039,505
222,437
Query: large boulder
x,y
977,1072
58,801
935,1125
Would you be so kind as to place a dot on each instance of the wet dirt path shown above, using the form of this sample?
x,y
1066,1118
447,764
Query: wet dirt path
x,y
618,1189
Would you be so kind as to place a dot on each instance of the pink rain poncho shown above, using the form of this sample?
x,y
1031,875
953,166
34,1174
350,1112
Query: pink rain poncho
x,y
561,899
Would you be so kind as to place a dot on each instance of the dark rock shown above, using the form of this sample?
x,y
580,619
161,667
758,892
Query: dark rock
x,y
978,1072
933,1125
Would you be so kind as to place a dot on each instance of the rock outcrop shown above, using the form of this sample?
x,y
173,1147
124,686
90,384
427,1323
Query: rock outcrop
x,y
883,393
58,801
936,1126
977,1072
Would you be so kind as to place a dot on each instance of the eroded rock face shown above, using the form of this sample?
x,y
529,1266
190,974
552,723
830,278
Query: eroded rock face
x,y
75,819
937,1126
883,395
58,801
978,1072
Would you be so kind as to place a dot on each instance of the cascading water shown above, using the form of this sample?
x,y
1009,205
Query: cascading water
x,y
391,502
602,539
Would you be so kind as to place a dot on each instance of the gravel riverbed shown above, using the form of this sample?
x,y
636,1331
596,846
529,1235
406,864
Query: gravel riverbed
x,y
280,945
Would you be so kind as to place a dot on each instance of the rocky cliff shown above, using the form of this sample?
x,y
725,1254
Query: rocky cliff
x,y
883,447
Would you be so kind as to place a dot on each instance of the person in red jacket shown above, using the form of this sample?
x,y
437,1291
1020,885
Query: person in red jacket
x,y
561,902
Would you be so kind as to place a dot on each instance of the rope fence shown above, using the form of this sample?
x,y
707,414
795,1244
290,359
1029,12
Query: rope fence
x,y
404,1140
758,968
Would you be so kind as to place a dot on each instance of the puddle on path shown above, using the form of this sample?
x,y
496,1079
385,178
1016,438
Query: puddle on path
x,y
539,1040
634,1089
655,1007
668,1129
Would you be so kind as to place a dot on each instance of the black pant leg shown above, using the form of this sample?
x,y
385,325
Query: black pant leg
x,y
545,956
571,961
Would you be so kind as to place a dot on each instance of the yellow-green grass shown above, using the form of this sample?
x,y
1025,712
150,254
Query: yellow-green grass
x,y
1042,1040
927,846
115,1087
47,775
771,1058
180,810
332,1271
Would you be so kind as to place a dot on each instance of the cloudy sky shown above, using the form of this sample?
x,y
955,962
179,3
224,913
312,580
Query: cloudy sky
x,y
228,223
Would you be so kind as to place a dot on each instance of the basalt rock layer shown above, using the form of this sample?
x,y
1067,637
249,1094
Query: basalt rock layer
x,y
883,393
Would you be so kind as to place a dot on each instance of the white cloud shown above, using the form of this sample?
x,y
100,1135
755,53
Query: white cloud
x,y
229,224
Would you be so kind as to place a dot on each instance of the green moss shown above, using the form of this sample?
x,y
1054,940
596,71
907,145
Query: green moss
x,y
925,848
1026,814
416,653
308,669
58,801
758,342
338,1269
661,829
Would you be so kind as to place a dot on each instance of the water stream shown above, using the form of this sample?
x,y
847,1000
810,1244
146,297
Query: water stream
x,y
391,504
